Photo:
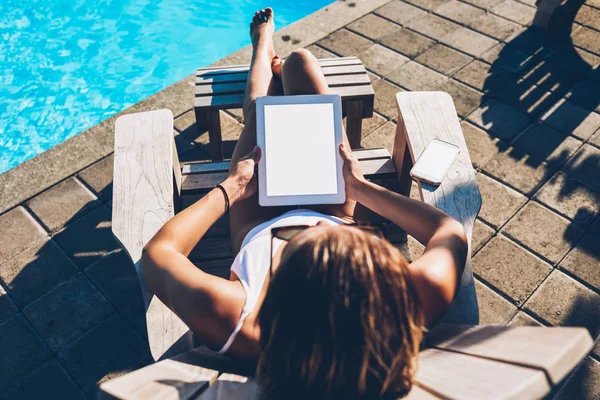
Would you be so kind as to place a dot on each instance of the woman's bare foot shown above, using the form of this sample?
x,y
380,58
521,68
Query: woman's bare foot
x,y
261,32
276,85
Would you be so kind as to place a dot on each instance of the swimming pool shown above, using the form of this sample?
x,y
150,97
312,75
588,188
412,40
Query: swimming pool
x,y
67,65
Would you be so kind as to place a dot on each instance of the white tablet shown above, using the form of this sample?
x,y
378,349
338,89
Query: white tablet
x,y
299,137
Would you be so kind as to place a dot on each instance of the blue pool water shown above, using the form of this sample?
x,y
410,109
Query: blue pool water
x,y
66,65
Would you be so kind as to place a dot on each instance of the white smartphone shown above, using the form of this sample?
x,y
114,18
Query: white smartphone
x,y
435,161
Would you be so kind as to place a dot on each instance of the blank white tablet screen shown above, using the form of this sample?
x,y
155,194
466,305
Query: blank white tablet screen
x,y
300,149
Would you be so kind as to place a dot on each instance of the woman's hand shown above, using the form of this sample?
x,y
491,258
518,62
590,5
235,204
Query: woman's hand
x,y
353,176
241,182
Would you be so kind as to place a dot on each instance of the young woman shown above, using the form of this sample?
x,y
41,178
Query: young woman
x,y
327,308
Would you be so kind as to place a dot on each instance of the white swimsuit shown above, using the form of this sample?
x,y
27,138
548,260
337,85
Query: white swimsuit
x,y
252,262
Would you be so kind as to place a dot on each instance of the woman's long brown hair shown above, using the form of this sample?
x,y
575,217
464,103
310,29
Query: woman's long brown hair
x,y
341,319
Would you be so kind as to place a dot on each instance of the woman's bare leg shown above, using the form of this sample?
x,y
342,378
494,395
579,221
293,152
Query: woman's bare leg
x,y
301,74
246,214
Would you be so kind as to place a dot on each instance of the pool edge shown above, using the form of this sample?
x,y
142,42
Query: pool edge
x,y
66,159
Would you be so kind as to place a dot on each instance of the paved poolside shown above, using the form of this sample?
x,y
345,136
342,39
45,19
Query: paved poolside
x,y
71,313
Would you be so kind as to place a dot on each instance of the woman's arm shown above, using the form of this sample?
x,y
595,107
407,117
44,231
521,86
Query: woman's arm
x,y
207,304
437,272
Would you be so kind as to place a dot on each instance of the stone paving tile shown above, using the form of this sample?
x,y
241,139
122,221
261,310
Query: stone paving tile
x,y
507,57
385,98
22,350
585,94
370,124
585,166
469,41
382,137
510,268
62,204
427,4
582,261
550,77
99,177
374,27
344,43
518,170
7,306
572,119
482,76
482,147
35,271
50,381
409,43
135,314
588,39
499,202
400,12
595,139
107,351
414,76
586,14
433,26
515,11
19,231
523,319
543,231
320,52
68,311
462,13
481,235
494,26
530,99
542,143
116,278
465,98
493,309
563,301
89,238
575,59
584,383
501,119
485,4
444,59
381,60
570,198
59,162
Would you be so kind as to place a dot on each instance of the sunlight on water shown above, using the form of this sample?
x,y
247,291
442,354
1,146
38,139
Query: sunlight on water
x,y
66,65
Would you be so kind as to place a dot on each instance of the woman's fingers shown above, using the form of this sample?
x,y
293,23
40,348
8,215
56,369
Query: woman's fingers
x,y
346,155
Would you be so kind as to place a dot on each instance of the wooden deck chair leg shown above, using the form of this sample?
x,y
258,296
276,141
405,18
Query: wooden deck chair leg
x,y
210,121
145,185
354,116
402,160
422,117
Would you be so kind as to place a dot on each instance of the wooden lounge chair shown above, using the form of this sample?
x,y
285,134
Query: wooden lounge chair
x,y
219,88
459,361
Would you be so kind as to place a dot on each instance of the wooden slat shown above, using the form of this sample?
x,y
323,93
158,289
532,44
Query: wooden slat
x,y
422,117
238,87
457,376
142,202
175,379
554,350
240,75
235,100
197,177
200,168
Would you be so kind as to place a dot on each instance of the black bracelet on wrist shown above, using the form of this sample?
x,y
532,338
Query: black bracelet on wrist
x,y
226,197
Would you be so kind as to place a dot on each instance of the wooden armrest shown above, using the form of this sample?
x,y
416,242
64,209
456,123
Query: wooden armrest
x,y
422,117
145,185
